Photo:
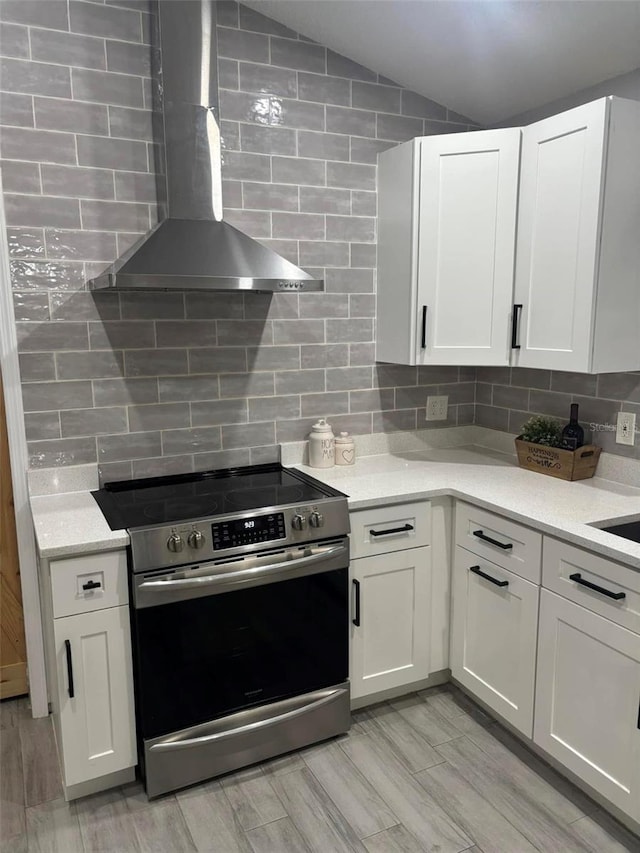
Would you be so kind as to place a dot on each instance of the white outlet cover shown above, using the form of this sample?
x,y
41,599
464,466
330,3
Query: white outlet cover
x,y
626,428
437,408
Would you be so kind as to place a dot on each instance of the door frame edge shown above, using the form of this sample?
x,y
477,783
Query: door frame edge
x,y
27,554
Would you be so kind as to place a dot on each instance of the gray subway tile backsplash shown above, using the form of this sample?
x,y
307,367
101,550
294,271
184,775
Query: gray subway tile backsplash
x,y
189,381
342,66
302,56
16,110
67,49
298,170
324,355
14,41
124,154
74,181
35,78
106,87
324,89
107,21
376,98
60,452
351,121
323,146
43,396
99,421
40,426
239,44
102,364
51,14
262,78
39,145
19,177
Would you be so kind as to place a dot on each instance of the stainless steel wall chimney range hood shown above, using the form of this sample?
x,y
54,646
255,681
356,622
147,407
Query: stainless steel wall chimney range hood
x,y
193,249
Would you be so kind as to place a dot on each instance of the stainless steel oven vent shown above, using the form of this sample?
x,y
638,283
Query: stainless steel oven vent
x,y
193,248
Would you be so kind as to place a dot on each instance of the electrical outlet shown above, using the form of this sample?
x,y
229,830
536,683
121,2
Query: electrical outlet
x,y
626,428
437,408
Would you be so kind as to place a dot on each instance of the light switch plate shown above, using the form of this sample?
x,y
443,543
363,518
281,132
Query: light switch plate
x,y
437,408
626,428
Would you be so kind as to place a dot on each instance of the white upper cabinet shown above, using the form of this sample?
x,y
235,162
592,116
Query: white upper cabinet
x,y
447,218
578,252
448,207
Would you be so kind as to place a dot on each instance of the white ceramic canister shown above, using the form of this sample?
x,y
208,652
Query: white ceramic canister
x,y
345,449
321,445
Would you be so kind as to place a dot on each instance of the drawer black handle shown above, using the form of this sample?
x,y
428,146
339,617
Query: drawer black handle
x,y
478,571
504,545
67,648
403,529
356,618
517,308
91,585
577,577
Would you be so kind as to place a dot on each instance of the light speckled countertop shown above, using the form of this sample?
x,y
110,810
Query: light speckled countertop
x,y
72,523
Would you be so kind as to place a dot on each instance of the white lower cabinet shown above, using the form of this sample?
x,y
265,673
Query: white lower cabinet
x,y
587,713
87,637
493,637
95,686
390,630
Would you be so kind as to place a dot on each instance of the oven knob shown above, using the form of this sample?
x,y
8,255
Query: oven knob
x,y
299,522
316,519
175,543
196,539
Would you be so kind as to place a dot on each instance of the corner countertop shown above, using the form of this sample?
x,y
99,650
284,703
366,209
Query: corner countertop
x,y
494,481
72,523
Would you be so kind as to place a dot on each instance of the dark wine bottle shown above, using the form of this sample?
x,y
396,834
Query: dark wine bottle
x,y
572,434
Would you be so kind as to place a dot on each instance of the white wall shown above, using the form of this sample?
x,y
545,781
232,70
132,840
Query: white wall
x,y
625,86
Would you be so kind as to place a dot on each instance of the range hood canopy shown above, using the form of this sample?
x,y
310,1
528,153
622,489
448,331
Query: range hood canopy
x,y
193,249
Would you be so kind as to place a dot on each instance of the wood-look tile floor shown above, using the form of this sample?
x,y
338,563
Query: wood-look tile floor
x,y
428,772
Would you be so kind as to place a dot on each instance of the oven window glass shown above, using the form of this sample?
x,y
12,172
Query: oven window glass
x,y
206,657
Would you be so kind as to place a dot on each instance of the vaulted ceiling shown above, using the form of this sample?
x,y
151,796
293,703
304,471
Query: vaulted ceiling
x,y
487,59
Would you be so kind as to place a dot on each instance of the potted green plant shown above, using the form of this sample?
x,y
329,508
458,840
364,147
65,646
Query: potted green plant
x,y
541,429
538,449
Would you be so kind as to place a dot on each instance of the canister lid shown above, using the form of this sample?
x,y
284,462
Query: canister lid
x,y
321,426
344,438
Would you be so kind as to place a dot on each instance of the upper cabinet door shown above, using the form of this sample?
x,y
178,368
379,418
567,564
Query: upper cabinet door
x,y
561,187
466,239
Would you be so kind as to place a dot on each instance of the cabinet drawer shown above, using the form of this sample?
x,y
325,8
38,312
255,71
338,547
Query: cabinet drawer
x,y
561,561
91,582
390,528
504,542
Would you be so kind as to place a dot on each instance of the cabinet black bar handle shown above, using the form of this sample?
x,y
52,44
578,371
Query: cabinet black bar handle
x,y
402,529
504,545
91,585
424,327
67,647
356,618
577,577
478,571
517,308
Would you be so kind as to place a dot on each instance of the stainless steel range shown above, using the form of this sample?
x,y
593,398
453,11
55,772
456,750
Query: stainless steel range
x,y
239,587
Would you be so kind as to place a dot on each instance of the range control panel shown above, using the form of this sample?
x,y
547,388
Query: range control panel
x,y
248,531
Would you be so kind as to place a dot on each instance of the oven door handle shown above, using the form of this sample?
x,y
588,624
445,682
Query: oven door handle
x,y
243,574
167,746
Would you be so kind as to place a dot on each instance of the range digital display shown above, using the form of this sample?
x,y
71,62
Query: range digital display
x,y
247,531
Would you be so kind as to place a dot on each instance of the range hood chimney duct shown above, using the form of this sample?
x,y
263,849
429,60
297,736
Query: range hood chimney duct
x,y
193,248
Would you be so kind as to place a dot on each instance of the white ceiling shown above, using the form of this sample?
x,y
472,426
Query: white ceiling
x,y
487,59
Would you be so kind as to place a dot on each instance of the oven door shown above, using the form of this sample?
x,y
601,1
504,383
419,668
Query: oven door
x,y
211,640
